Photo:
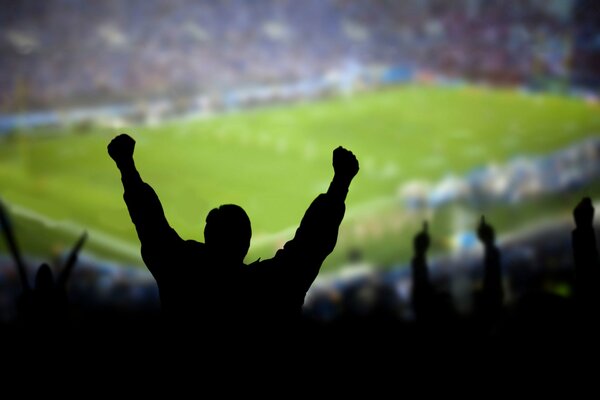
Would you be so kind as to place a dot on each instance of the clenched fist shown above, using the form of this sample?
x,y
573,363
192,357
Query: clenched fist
x,y
485,232
345,163
584,213
121,148
421,241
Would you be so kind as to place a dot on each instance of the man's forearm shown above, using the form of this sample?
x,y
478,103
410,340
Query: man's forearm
x,y
143,204
338,188
129,174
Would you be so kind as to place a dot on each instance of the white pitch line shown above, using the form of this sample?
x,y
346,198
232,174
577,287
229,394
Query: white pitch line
x,y
131,250
112,242
98,237
354,212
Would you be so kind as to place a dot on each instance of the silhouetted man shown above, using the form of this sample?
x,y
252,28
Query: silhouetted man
x,y
493,293
587,261
433,308
422,291
208,282
490,300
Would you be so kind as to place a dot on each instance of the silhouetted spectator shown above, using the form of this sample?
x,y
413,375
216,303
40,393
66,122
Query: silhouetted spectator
x,y
422,291
45,305
492,295
587,262
207,284
433,308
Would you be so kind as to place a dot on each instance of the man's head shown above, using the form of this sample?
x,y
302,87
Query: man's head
x,y
228,232
44,280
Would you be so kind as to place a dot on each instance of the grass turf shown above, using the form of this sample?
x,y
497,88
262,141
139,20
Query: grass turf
x,y
274,161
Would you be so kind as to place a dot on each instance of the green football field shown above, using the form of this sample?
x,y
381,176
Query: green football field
x,y
274,161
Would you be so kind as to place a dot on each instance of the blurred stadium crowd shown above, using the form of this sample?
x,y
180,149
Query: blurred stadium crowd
x,y
522,178
77,52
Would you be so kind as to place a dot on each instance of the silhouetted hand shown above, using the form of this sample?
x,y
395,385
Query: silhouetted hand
x,y
422,240
584,213
345,164
485,232
121,148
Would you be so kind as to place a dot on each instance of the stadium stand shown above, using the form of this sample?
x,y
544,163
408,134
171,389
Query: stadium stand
x,y
522,178
76,61
145,49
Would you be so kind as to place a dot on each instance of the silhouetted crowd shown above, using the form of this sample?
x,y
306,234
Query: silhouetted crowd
x,y
199,303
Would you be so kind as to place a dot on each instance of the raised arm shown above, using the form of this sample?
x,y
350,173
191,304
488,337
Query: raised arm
x,y
422,291
345,168
316,237
11,242
63,277
493,293
420,270
143,204
121,150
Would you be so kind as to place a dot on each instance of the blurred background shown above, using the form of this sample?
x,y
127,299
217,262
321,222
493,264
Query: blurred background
x,y
454,109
